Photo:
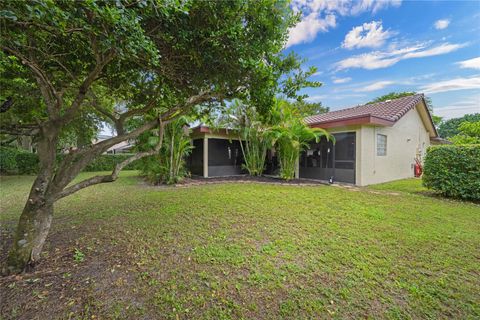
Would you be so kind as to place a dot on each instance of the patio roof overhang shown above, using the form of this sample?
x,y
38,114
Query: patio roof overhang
x,y
226,133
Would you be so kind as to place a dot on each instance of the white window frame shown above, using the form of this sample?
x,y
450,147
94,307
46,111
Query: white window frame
x,y
381,152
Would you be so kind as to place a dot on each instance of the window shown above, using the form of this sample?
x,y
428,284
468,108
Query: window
x,y
381,145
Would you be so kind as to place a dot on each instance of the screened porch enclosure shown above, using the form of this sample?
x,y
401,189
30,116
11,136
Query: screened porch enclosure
x,y
325,160
225,158
214,157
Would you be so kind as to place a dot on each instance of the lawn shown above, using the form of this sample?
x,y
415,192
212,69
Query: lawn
x,y
248,251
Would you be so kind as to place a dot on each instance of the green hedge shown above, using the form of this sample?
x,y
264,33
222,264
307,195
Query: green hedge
x,y
106,162
16,161
453,170
8,162
27,163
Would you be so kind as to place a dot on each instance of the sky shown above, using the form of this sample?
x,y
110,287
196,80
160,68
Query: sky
x,y
366,48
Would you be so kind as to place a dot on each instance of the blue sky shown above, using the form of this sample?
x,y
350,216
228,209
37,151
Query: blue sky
x,y
364,49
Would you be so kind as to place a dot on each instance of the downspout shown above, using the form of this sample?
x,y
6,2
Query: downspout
x,y
374,149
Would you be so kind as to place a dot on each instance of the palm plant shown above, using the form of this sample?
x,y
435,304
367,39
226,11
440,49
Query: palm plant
x,y
177,148
168,166
255,137
292,136
255,142
283,129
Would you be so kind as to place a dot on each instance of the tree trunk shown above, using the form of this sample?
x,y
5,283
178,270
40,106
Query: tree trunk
x,y
32,230
36,217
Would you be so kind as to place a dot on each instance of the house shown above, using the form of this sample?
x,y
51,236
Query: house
x,y
121,147
374,143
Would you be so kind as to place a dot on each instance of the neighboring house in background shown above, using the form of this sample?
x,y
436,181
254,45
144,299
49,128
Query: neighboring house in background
x,y
122,147
375,143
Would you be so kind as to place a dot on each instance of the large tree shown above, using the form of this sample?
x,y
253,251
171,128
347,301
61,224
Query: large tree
x,y
450,128
136,64
469,133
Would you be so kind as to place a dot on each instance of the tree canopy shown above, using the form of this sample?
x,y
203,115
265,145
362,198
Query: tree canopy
x,y
469,133
450,128
66,66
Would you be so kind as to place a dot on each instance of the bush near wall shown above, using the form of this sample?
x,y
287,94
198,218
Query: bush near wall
x,y
16,161
453,170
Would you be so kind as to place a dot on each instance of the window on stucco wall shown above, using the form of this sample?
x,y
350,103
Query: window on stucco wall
x,y
381,145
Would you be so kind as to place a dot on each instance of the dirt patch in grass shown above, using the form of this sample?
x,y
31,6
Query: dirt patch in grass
x,y
84,273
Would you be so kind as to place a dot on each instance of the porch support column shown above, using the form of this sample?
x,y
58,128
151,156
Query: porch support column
x,y
205,157
297,168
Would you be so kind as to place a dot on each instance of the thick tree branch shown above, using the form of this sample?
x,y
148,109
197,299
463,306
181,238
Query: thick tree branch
x,y
133,112
20,130
46,87
115,120
74,162
119,119
46,27
85,86
173,112
114,175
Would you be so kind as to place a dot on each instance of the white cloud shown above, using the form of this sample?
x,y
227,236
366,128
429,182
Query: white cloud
x,y
369,61
375,86
374,6
341,80
384,59
344,96
452,85
470,63
316,98
435,51
321,15
457,111
368,35
441,24
307,29
460,108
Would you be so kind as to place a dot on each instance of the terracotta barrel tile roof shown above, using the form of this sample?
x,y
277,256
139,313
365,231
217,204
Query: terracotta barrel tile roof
x,y
390,110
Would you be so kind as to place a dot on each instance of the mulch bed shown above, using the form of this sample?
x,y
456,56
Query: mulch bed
x,y
195,181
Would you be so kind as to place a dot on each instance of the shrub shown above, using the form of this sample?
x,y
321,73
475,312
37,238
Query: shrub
x,y
168,166
17,161
255,141
8,163
453,170
27,163
107,162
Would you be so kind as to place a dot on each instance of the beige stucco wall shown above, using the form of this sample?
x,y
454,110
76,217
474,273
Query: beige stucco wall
x,y
406,139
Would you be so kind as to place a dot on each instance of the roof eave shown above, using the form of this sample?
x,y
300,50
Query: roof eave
x,y
358,120
435,132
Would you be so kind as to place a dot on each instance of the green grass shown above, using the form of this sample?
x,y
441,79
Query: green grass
x,y
413,185
246,251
